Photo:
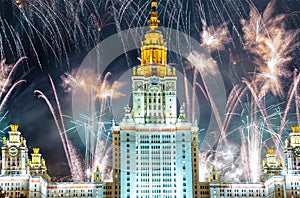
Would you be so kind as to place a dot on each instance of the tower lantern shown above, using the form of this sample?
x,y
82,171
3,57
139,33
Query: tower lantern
x,y
14,134
154,81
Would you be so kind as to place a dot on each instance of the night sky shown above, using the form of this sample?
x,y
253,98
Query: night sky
x,y
56,35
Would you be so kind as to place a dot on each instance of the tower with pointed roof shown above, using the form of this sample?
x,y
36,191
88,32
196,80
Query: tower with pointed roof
x,y
272,166
154,81
14,153
292,152
155,147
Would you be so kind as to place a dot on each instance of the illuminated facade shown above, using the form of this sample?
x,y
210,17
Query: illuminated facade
x,y
155,145
154,150
24,177
21,176
276,180
292,161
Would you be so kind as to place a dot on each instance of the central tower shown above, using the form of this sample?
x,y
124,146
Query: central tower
x,y
154,81
155,154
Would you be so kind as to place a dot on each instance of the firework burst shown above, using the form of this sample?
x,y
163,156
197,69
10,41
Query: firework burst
x,y
266,37
214,39
96,136
64,27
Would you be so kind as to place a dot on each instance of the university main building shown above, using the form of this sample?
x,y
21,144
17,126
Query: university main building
x,y
154,151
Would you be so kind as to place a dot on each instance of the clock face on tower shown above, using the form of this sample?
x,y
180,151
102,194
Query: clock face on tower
x,y
297,151
13,151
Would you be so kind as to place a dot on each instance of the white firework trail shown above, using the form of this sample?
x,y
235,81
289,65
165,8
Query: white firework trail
x,y
271,44
74,161
98,150
6,72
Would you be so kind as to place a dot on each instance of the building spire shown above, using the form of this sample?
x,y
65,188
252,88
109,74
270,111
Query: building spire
x,y
153,21
154,50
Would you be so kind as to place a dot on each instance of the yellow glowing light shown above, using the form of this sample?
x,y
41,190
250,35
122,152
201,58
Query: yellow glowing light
x,y
14,127
36,150
295,129
270,150
154,51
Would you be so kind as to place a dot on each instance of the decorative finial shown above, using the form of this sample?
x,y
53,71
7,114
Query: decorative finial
x,y
154,21
127,117
182,117
127,109
154,4
14,127
265,162
295,129
271,151
36,150
213,168
4,140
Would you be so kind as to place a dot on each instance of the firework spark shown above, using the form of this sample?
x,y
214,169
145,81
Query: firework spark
x,y
98,94
214,39
63,27
203,63
265,36
73,159
104,89
6,72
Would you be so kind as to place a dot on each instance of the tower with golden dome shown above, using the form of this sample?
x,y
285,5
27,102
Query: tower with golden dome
x,y
154,81
21,176
14,153
155,148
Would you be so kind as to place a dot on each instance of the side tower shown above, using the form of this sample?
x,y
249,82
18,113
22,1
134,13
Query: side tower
x,y
292,152
272,175
116,160
292,162
14,153
37,165
272,165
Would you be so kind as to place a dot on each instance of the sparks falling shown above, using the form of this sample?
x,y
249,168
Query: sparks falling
x,y
271,44
79,25
7,84
96,135
214,39
74,161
